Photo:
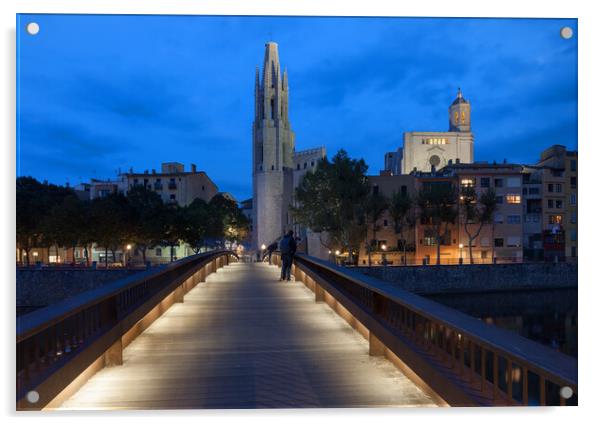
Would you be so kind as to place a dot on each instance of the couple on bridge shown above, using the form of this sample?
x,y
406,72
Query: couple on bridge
x,y
288,247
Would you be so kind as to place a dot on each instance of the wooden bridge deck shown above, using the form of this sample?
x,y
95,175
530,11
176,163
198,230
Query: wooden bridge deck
x,y
244,340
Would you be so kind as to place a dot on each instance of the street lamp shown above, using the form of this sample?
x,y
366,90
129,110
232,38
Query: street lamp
x,y
128,247
461,258
383,247
337,252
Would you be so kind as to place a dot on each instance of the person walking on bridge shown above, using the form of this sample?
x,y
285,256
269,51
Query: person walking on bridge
x,y
271,248
288,247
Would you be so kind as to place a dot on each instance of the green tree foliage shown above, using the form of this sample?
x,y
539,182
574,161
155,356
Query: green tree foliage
x,y
50,215
477,210
333,199
67,225
111,222
146,209
35,202
437,202
196,229
400,211
172,219
227,222
376,206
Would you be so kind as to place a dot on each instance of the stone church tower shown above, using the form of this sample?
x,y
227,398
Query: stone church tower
x,y
273,150
459,114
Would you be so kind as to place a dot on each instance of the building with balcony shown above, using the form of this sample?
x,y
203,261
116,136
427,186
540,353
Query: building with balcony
x,y
174,184
559,201
503,238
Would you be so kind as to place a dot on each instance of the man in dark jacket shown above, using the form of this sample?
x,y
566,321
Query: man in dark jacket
x,y
288,247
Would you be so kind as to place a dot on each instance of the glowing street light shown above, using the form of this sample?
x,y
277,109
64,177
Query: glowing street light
x,y
128,247
461,258
383,248
262,246
337,252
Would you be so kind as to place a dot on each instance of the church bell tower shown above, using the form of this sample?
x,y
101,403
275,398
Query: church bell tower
x,y
459,114
273,149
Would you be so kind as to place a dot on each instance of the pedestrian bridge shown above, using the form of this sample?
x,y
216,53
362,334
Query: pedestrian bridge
x,y
210,332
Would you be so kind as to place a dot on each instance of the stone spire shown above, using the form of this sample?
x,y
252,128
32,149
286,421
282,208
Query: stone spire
x,y
257,95
273,150
284,109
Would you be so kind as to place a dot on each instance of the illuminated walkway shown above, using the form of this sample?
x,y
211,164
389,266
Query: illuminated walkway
x,y
244,340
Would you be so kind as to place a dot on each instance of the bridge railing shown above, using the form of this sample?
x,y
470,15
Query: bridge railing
x,y
448,353
57,344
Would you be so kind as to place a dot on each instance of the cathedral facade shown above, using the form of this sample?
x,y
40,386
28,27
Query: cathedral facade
x,y
424,150
277,168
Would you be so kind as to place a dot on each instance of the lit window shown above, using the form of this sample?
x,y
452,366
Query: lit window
x,y
435,141
456,117
513,199
467,182
430,241
463,117
555,219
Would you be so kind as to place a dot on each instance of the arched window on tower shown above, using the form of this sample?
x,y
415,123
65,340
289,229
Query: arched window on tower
x,y
463,117
456,117
272,108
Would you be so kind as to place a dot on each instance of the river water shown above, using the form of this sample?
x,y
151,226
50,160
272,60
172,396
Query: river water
x,y
546,316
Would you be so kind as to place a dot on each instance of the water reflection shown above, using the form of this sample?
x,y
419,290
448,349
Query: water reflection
x,y
545,316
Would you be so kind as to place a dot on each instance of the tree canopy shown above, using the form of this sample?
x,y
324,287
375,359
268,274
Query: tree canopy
x,y
50,215
333,199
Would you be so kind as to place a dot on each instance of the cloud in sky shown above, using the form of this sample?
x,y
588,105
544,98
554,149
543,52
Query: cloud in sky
x,y
99,93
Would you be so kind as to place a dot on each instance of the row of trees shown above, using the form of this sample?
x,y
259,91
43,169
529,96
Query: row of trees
x,y
336,200
50,215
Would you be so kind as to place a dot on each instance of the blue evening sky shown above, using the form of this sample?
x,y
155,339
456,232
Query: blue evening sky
x,y
99,93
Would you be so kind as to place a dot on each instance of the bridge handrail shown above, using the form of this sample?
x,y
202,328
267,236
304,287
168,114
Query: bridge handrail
x,y
43,318
85,326
530,356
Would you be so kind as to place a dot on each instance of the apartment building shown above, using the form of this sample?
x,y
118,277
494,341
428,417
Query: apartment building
x,y
559,201
503,238
391,243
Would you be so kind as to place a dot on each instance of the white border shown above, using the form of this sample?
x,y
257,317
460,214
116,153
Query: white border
x,y
590,75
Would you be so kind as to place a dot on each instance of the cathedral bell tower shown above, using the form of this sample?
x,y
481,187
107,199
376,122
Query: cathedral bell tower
x,y
459,114
273,149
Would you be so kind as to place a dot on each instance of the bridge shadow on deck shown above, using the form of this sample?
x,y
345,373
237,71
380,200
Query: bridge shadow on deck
x,y
244,340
